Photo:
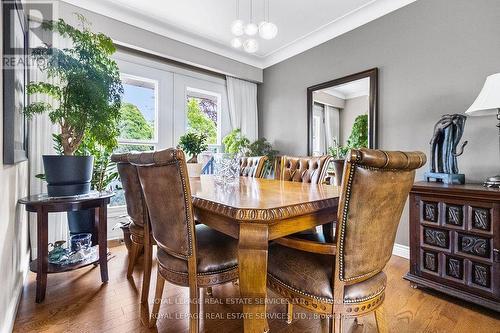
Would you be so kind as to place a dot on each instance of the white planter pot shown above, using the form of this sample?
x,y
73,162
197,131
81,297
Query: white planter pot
x,y
194,169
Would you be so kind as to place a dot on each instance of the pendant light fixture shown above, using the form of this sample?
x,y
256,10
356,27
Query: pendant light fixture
x,y
266,29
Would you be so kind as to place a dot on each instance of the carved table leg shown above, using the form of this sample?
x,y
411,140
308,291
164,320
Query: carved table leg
x,y
102,226
42,254
252,262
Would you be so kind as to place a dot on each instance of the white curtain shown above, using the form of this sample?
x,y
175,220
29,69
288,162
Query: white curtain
x,y
242,98
332,126
40,143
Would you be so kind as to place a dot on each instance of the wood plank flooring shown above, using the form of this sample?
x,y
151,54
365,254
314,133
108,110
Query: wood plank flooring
x,y
78,302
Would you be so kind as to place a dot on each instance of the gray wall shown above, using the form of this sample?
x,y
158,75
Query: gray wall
x,y
353,107
433,56
125,33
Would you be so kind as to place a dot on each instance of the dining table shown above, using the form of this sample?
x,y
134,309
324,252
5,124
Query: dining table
x,y
256,211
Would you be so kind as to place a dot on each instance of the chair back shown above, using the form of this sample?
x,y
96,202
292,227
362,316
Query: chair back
x,y
309,169
252,166
165,184
374,190
136,206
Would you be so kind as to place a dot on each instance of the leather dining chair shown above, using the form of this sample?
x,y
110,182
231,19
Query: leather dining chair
x,y
346,279
189,255
252,166
139,220
308,169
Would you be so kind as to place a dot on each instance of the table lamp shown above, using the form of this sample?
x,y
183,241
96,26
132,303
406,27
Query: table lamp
x,y
488,104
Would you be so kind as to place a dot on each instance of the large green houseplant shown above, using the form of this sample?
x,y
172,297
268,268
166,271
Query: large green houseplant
x,y
85,87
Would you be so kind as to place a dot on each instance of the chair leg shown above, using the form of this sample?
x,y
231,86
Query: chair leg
x,y
289,312
336,324
160,283
380,320
132,257
194,308
146,277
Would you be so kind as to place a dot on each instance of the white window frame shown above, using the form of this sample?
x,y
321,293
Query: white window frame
x,y
154,141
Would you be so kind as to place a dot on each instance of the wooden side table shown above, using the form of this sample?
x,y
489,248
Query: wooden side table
x,y
43,205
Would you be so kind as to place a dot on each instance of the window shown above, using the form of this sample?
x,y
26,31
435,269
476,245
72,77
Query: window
x,y
139,121
203,114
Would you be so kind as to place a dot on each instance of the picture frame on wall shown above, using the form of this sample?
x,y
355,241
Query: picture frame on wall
x,y
15,78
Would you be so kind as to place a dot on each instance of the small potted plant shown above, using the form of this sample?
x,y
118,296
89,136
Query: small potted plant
x,y
85,87
193,144
357,139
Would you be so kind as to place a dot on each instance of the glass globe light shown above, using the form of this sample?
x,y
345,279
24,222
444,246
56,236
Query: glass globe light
x,y
236,43
268,30
251,29
251,45
237,27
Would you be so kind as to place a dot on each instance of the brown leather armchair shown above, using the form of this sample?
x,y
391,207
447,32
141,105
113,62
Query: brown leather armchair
x,y
347,279
252,166
309,169
139,220
188,255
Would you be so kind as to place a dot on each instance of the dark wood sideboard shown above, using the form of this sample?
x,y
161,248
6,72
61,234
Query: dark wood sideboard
x,y
455,241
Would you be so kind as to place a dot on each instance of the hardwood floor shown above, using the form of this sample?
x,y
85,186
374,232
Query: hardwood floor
x,y
77,302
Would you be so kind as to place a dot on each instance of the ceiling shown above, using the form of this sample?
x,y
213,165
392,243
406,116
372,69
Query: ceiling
x,y
206,23
349,90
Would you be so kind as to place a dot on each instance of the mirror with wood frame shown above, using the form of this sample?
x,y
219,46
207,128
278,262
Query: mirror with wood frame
x,y
342,114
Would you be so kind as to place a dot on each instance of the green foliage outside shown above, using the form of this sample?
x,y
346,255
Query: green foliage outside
x,y
133,125
357,139
193,144
235,142
88,91
199,122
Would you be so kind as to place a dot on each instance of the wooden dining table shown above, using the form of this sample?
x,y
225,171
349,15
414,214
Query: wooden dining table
x,y
255,212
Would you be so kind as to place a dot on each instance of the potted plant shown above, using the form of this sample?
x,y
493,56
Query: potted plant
x,y
357,139
84,83
262,147
193,144
235,142
104,174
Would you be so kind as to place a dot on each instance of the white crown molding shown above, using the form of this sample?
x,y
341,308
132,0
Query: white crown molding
x,y
337,27
350,21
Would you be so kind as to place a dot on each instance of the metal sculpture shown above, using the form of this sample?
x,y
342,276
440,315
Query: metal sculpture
x,y
447,134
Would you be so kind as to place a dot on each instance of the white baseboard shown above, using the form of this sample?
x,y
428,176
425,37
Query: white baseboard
x,y
401,251
10,315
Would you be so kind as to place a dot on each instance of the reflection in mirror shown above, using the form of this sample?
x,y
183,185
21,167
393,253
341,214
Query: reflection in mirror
x,y
335,111
342,114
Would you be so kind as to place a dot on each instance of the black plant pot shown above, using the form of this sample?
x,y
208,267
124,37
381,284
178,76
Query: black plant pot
x,y
68,175
81,221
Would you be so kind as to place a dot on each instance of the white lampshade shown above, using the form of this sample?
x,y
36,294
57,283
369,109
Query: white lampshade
x,y
251,45
268,30
251,29
236,43
237,27
488,101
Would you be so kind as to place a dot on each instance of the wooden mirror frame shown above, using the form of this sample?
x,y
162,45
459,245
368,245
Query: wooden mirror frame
x,y
372,74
